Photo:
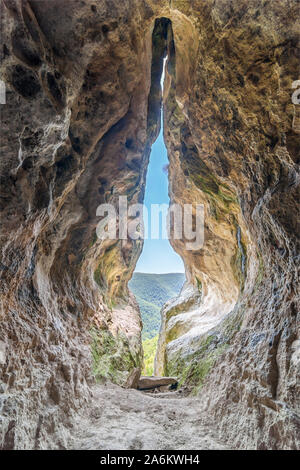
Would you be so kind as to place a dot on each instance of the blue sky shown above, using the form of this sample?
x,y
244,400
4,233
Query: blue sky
x,y
158,256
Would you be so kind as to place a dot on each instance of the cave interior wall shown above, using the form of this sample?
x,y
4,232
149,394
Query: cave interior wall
x,y
82,113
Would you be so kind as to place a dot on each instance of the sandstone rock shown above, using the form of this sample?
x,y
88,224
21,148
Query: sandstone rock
x,y
133,378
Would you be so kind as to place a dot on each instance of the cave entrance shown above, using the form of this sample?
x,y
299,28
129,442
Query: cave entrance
x,y
159,273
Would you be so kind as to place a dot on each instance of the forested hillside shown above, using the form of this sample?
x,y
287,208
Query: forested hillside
x,y
151,292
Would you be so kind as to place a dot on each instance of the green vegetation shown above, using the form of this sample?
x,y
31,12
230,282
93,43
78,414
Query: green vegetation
x,y
193,369
199,284
149,346
220,195
196,372
232,324
112,356
152,291
97,275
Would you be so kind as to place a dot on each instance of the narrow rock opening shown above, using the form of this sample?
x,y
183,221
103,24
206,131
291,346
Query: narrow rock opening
x,y
159,273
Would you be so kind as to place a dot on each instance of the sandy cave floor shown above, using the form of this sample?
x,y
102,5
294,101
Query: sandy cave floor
x,y
121,419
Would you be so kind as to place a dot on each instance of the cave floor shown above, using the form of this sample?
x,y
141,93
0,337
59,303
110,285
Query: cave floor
x,y
131,420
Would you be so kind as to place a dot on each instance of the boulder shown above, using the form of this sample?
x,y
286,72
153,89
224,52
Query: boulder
x,y
148,383
133,378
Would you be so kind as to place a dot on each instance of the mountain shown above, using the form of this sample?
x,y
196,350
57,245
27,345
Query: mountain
x,y
151,292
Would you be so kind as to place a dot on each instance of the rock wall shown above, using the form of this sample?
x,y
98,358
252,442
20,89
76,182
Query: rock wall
x,y
232,140
82,112
74,135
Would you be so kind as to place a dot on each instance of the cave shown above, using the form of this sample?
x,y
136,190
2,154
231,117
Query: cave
x,y
82,111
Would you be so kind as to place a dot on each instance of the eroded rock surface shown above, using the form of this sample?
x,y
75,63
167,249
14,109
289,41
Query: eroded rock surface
x,y
128,419
232,145
82,111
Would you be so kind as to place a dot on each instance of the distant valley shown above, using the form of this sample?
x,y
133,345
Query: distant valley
x,y
152,291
